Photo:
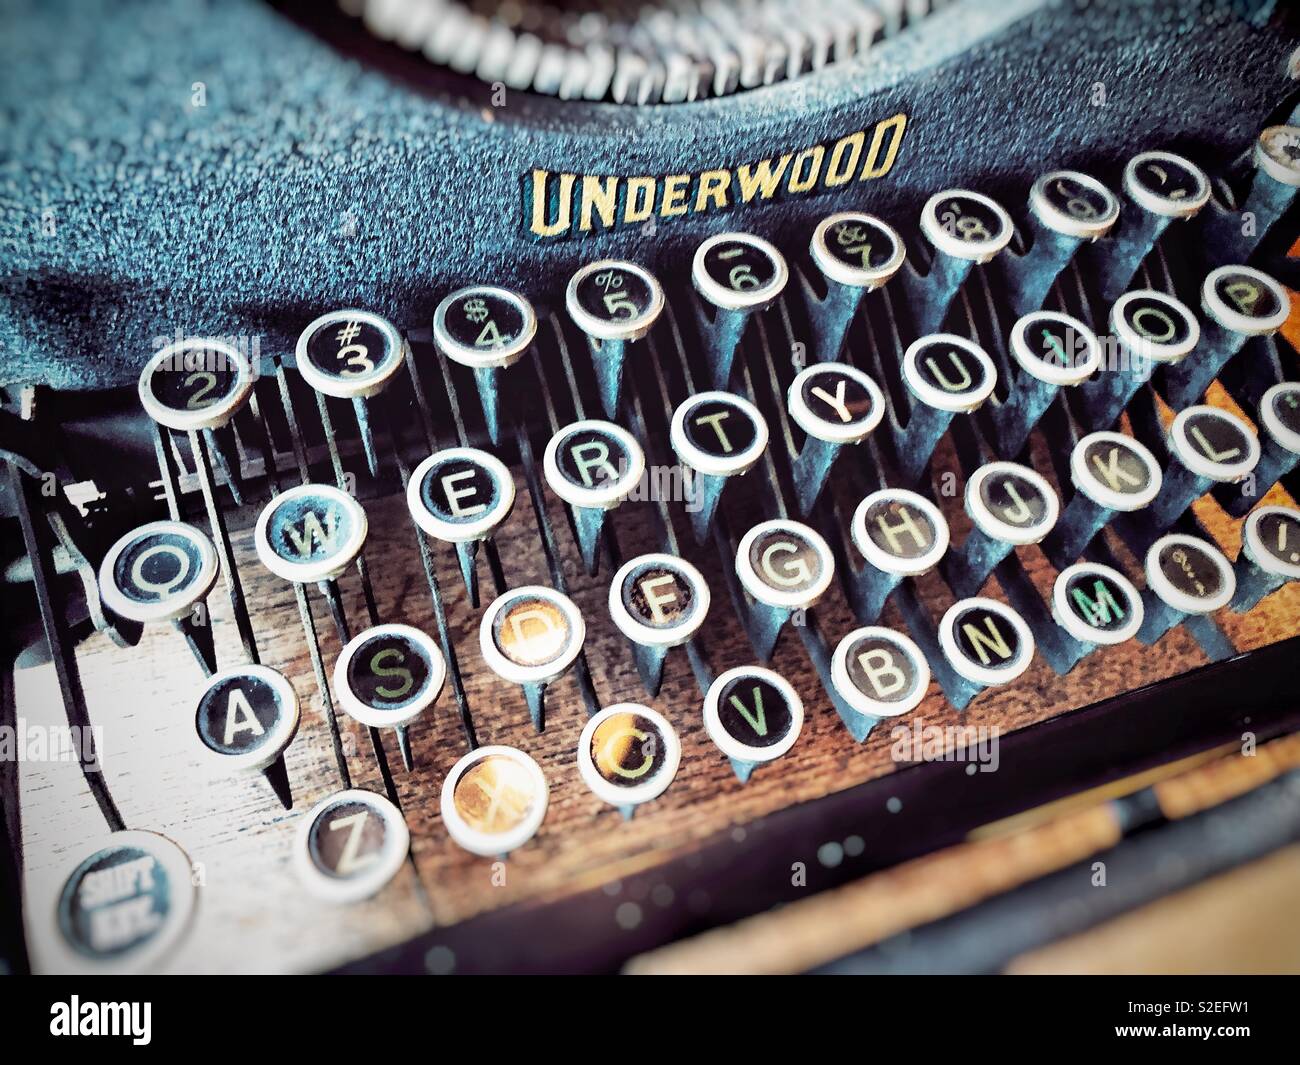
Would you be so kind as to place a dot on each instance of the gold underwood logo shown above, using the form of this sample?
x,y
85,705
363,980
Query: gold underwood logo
x,y
559,206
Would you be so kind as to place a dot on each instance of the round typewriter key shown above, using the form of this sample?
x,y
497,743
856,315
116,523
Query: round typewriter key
x,y
1074,204
195,384
738,271
311,532
246,717
350,354
899,531
718,433
752,714
593,464
124,903
628,754
531,635
389,675
613,300
1011,502
836,403
1115,471
350,846
985,641
1214,444
158,571
784,564
658,600
1097,604
880,672
966,225
460,494
857,249
1189,574
949,372
1154,326
1270,539
1245,300
484,327
1055,348
1277,153
1166,184
1279,410
494,800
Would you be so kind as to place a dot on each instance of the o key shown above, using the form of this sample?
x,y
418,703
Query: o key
x,y
246,717
350,846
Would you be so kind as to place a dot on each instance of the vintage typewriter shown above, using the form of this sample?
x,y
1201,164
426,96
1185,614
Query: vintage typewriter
x,y
841,436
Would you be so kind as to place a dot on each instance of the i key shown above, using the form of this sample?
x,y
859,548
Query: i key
x,y
531,636
717,435
947,375
614,303
900,534
856,253
350,846
628,754
736,274
487,329
246,717
163,571
658,602
753,716
494,800
1187,579
1270,554
836,406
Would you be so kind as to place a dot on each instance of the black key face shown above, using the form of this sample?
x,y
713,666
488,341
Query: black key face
x,y
1157,321
899,529
739,266
484,320
460,491
1246,295
785,561
161,567
195,380
838,398
389,672
1099,601
347,839
1280,145
951,369
1284,404
1014,499
659,596
350,349
628,749
754,711
986,638
1076,199
117,902
1217,438
1115,466
591,458
1169,179
239,714
531,631
861,243
1191,571
310,529
883,670
1054,343
1278,533
969,220
720,429
615,294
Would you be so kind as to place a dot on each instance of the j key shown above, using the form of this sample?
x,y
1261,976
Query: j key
x,y
530,636
487,329
1160,187
984,643
785,566
1270,554
1067,209
350,846
592,465
1052,351
880,672
965,228
196,384
947,375
245,719
658,602
1240,303
1011,505
735,274
1279,419
628,754
1112,474
1152,329
1187,578
1211,447
1235,234
835,406
494,800
900,534
855,253
615,304
717,435
753,715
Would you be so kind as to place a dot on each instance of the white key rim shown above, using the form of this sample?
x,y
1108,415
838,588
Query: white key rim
x,y
459,532
488,844
213,416
672,636
728,744
281,736
365,885
1179,600
852,433
860,700
543,673
765,594
325,569
637,793
373,717
1080,630
973,671
173,606
991,525
714,465
360,386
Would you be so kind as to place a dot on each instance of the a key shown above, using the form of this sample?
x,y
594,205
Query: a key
x,y
836,406
350,846
900,534
735,274
615,304
785,566
1270,554
753,716
487,329
311,532
947,375
717,435
1187,579
628,754
658,602
530,636
856,253
494,800
245,719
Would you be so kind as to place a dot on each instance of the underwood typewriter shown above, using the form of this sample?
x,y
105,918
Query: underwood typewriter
x,y
667,486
